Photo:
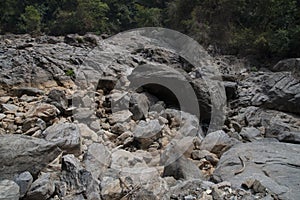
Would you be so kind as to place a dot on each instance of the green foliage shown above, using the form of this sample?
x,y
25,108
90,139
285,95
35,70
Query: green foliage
x,y
147,17
70,72
31,20
91,15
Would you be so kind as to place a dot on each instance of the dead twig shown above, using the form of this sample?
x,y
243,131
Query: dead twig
x,y
243,166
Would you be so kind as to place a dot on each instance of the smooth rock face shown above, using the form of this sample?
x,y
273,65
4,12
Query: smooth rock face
x,y
66,136
9,190
275,165
15,160
24,180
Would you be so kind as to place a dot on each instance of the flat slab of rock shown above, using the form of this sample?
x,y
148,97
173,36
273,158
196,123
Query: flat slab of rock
x,y
274,165
19,153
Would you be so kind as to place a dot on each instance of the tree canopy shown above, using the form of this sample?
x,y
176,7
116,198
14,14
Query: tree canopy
x,y
264,28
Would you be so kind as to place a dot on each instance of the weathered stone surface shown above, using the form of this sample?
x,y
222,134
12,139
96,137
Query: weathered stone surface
x,y
292,65
58,99
183,168
231,89
97,159
77,178
64,135
275,165
102,72
30,91
274,124
87,133
111,188
29,123
82,114
42,188
188,124
120,116
187,187
124,159
146,132
250,133
106,84
9,108
9,190
278,91
200,154
43,111
217,142
20,153
139,106
24,180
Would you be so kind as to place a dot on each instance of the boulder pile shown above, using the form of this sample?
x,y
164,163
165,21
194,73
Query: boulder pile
x,y
87,118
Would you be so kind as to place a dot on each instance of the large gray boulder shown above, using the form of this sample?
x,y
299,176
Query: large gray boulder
x,y
279,91
274,165
292,65
273,124
19,153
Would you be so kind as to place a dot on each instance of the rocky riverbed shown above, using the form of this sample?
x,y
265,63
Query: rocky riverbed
x,y
72,128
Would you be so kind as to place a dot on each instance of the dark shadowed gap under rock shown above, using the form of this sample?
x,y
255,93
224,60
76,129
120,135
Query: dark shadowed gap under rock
x,y
163,94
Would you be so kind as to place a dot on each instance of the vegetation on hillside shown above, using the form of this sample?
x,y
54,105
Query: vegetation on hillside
x,y
263,28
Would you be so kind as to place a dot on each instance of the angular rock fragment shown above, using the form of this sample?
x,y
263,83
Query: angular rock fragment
x,y
58,99
29,91
42,188
250,133
20,153
139,106
24,180
97,159
183,168
43,111
66,136
78,178
217,142
147,132
120,117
